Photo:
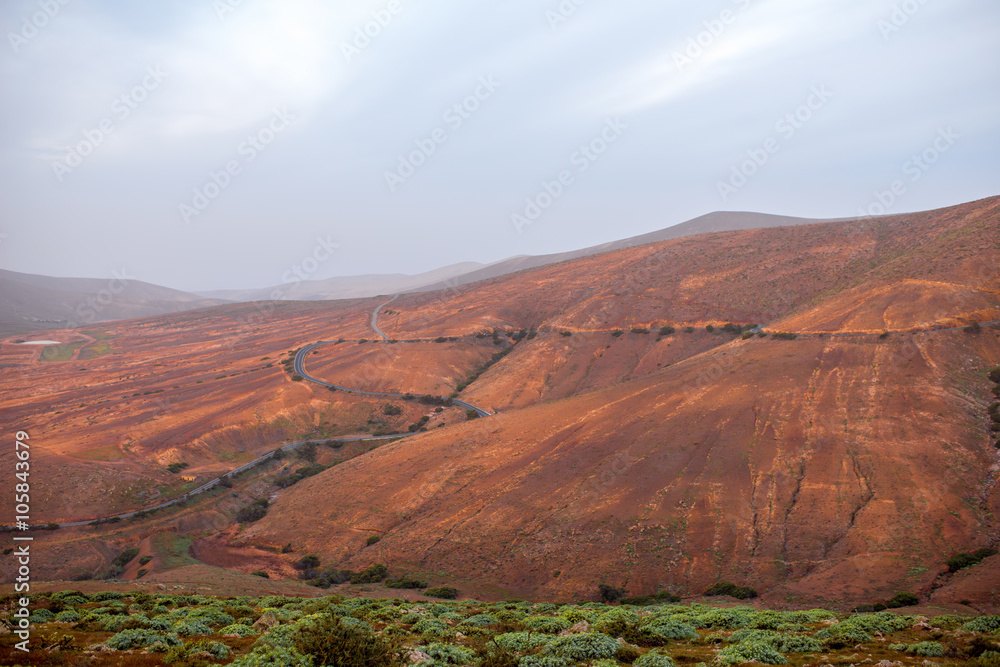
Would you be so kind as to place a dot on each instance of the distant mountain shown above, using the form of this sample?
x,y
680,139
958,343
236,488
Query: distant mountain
x,y
29,302
720,221
357,287
348,287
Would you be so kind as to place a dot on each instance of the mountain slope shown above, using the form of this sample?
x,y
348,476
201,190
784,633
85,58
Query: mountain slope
x,y
30,302
845,466
720,221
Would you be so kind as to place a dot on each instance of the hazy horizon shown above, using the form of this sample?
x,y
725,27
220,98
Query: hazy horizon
x,y
213,145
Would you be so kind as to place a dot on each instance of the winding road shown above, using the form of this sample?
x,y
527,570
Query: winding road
x,y
300,369
375,314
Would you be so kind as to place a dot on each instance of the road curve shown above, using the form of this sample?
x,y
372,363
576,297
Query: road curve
x,y
300,369
375,313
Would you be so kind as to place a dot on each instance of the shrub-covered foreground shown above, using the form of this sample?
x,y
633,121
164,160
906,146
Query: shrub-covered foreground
x,y
141,629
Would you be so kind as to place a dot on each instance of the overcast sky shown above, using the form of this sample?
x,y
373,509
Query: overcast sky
x,y
207,145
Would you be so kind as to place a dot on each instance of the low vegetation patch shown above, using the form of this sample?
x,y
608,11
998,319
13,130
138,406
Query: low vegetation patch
x,y
159,628
727,588
960,561
254,512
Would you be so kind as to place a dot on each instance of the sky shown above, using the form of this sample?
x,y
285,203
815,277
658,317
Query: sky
x,y
215,144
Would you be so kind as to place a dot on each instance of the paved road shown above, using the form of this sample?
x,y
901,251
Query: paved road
x,y
834,334
375,313
301,370
214,482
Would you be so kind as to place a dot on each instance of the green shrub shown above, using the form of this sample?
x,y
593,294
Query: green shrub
x,y
69,597
191,628
335,643
983,624
139,638
727,588
750,651
254,512
238,629
108,595
405,581
431,627
480,620
626,653
519,642
41,616
442,592
736,617
449,654
584,646
652,659
273,657
372,539
370,575
664,629
308,562
610,593
217,650
927,649
145,559
261,573
618,622
543,661
960,561
798,644
546,624
902,600
125,557
68,616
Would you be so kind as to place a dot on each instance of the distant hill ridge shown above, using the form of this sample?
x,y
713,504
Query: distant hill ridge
x,y
354,287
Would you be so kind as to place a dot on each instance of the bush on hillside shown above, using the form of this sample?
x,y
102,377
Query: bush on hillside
x,y
254,512
442,592
731,589
334,642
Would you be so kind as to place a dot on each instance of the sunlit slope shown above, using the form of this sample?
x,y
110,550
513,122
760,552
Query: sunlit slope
x,y
835,466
